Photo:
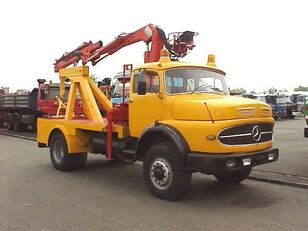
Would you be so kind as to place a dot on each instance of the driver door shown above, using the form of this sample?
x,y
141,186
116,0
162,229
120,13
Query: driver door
x,y
144,109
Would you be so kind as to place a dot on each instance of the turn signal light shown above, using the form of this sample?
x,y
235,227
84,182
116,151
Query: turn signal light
x,y
211,137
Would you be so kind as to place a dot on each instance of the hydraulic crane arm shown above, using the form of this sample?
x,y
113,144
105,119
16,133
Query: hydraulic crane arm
x,y
146,34
80,53
177,43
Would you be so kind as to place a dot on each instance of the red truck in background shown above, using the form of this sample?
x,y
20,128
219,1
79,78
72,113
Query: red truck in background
x,y
18,111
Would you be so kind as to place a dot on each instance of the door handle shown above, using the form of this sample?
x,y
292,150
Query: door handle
x,y
130,101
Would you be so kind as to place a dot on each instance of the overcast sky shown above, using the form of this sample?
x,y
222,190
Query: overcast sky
x,y
260,44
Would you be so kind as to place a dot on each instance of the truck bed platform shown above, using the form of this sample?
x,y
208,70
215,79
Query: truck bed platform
x,y
76,130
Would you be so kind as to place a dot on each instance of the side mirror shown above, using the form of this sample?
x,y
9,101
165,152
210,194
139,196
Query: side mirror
x,y
142,87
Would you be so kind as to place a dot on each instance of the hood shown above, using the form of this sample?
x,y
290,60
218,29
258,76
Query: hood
x,y
217,107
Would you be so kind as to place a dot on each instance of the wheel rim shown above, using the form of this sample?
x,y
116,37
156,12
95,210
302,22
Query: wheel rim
x,y
161,173
58,152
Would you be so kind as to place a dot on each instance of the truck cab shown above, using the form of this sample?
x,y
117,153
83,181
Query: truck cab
x,y
301,99
46,99
298,98
278,104
117,91
194,100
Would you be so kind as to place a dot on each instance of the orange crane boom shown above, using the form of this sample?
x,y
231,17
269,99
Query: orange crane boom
x,y
178,43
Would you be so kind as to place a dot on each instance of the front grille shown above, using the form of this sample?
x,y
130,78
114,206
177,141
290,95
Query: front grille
x,y
247,134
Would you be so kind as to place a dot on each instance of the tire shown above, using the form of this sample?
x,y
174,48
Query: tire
x,y
164,174
9,121
17,126
61,159
233,177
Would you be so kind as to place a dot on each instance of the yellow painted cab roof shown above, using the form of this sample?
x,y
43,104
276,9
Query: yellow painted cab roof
x,y
174,64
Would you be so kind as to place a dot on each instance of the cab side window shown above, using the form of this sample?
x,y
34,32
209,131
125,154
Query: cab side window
x,y
150,78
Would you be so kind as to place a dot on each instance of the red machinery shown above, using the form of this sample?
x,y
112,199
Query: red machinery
x,y
18,111
178,43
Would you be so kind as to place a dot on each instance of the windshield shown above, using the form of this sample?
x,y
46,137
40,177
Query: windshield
x,y
287,99
261,98
281,100
54,91
190,80
301,98
118,89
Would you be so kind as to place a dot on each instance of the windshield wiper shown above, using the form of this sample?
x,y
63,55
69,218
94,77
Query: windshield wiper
x,y
214,89
197,88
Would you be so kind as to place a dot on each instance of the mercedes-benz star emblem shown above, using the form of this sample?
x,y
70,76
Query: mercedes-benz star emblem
x,y
256,133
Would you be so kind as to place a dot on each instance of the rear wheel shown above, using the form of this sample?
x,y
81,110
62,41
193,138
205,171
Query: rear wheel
x,y
233,177
164,174
9,121
60,157
17,125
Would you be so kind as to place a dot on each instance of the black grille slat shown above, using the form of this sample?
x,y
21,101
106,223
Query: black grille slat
x,y
242,134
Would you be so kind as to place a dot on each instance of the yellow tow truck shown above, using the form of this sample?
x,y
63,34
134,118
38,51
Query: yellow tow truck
x,y
179,119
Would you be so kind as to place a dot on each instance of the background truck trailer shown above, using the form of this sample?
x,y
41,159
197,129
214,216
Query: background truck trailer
x,y
18,111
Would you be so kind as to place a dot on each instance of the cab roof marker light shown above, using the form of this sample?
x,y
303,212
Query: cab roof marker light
x,y
211,60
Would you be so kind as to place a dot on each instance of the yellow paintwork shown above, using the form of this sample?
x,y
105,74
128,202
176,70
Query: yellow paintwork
x,y
75,136
195,133
78,132
61,105
188,114
79,78
221,107
195,116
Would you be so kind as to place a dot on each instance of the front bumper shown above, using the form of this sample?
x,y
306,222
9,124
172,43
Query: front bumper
x,y
211,163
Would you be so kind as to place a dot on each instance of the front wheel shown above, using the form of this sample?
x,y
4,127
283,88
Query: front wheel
x,y
164,173
233,177
60,157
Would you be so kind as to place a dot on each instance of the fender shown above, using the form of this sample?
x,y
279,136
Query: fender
x,y
56,129
159,133
75,143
